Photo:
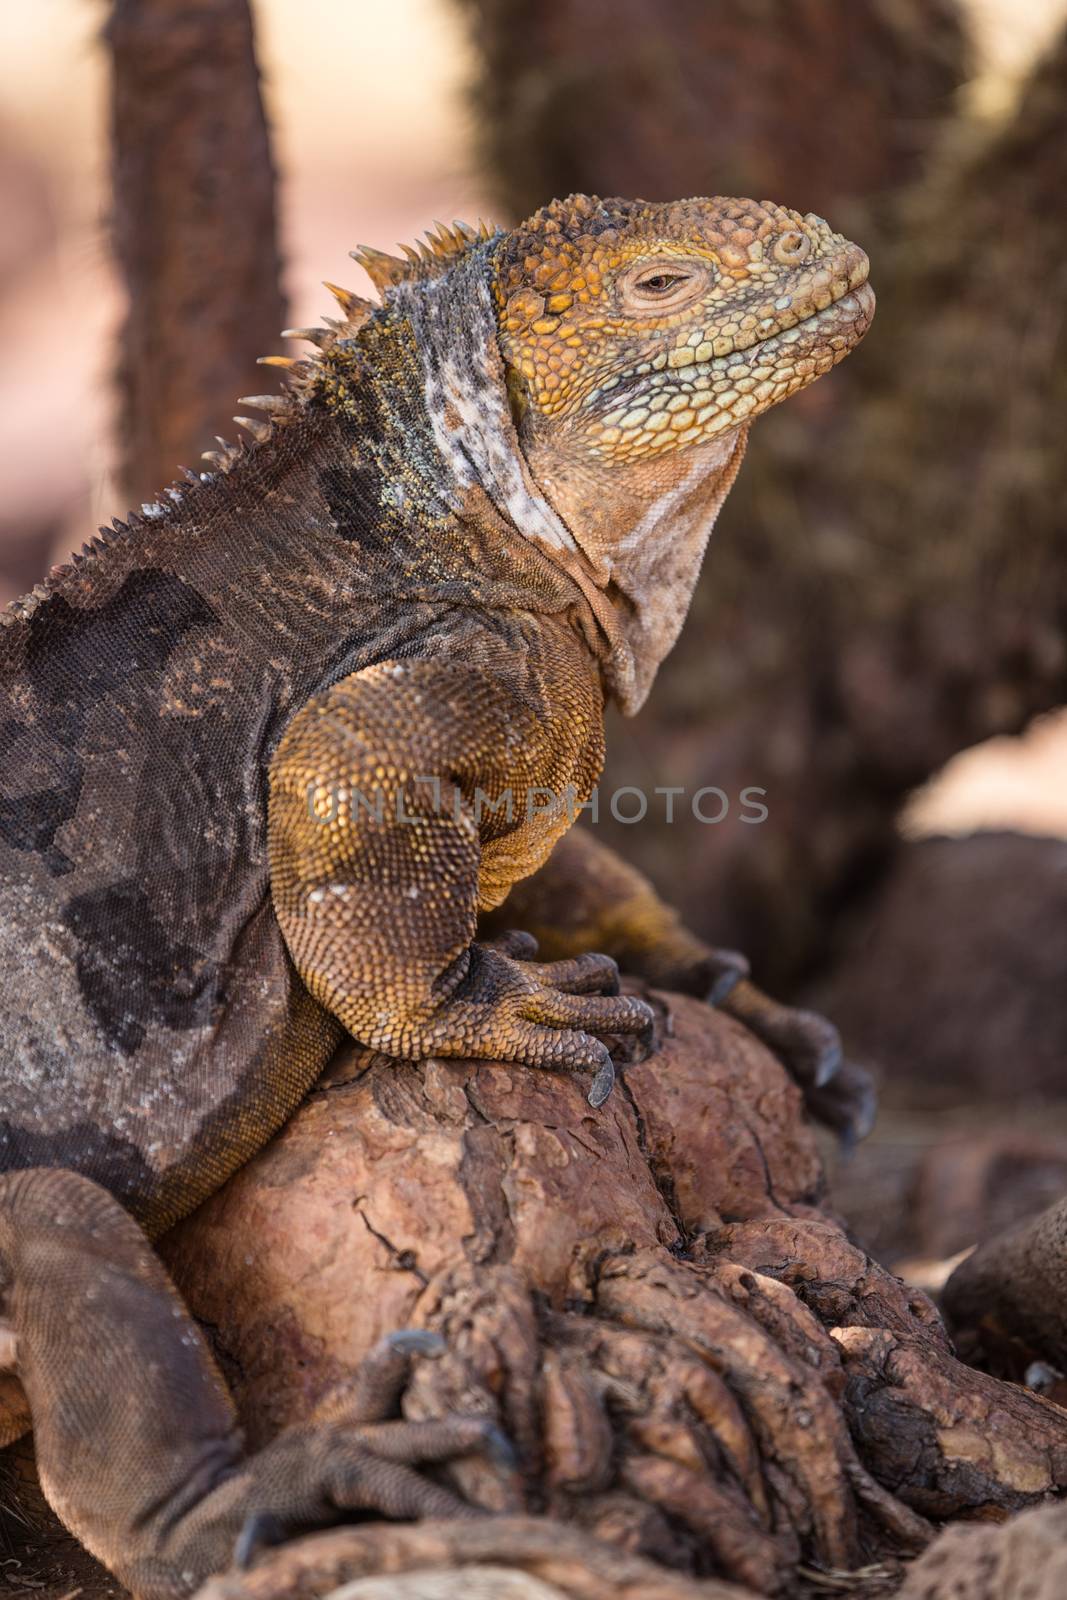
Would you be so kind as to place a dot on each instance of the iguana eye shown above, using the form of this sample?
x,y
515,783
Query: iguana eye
x,y
660,282
664,285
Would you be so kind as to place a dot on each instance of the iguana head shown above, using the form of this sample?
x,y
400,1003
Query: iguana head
x,y
631,329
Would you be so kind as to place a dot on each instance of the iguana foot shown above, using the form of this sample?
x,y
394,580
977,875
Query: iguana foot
x,y
372,1396
137,1444
837,1092
340,1469
367,1460
585,894
713,975
847,1104
546,1014
358,1460
809,1044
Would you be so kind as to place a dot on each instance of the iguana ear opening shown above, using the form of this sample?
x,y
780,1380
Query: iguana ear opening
x,y
9,1350
518,397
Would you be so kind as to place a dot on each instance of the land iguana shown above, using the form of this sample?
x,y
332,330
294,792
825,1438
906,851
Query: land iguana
x,y
269,749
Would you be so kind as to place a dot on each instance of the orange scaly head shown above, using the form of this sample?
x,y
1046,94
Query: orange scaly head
x,y
632,329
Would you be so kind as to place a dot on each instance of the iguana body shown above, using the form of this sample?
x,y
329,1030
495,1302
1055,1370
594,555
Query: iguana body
x,y
259,751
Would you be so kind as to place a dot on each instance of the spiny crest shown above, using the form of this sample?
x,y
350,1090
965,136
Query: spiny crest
x,y
23,608
280,409
224,457
428,258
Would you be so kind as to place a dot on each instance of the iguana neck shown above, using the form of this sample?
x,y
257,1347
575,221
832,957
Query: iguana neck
x,y
641,530
432,461
435,458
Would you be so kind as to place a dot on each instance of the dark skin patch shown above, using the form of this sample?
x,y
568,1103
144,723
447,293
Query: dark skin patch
x,y
97,1153
70,649
29,821
76,658
134,972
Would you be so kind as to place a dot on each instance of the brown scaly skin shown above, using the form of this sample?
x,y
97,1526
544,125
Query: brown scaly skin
x,y
261,749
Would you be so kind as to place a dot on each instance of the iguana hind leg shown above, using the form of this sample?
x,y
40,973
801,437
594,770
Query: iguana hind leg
x,y
585,896
136,1438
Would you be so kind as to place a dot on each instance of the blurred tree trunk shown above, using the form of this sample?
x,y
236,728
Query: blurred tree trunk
x,y
193,224
811,101
885,586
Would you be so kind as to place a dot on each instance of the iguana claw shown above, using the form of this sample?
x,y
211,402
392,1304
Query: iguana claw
x,y
603,1083
261,1530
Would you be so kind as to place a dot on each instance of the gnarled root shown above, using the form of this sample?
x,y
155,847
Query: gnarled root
x,y
693,1362
537,1558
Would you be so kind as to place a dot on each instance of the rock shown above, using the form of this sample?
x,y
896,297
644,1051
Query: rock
x,y
1025,1559
1008,1299
952,980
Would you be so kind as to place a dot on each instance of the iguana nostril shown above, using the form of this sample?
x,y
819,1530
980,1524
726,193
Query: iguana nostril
x,y
792,247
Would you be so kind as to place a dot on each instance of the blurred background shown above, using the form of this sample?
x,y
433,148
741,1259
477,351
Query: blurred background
x,y
880,636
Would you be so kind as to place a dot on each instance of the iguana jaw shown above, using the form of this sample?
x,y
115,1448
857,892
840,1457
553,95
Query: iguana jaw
x,y
696,395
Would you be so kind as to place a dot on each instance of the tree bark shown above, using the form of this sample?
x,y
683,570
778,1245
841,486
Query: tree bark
x,y
193,225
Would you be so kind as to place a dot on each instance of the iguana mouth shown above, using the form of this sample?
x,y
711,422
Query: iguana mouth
x,y
697,391
855,303
841,277
848,315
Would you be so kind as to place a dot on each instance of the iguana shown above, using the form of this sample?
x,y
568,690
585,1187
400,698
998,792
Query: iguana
x,y
269,751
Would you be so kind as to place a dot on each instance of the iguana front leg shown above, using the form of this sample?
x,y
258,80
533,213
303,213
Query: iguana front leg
x,y
136,1440
586,896
406,798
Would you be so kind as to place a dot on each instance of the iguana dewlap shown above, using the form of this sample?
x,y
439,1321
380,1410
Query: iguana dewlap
x,y
270,749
